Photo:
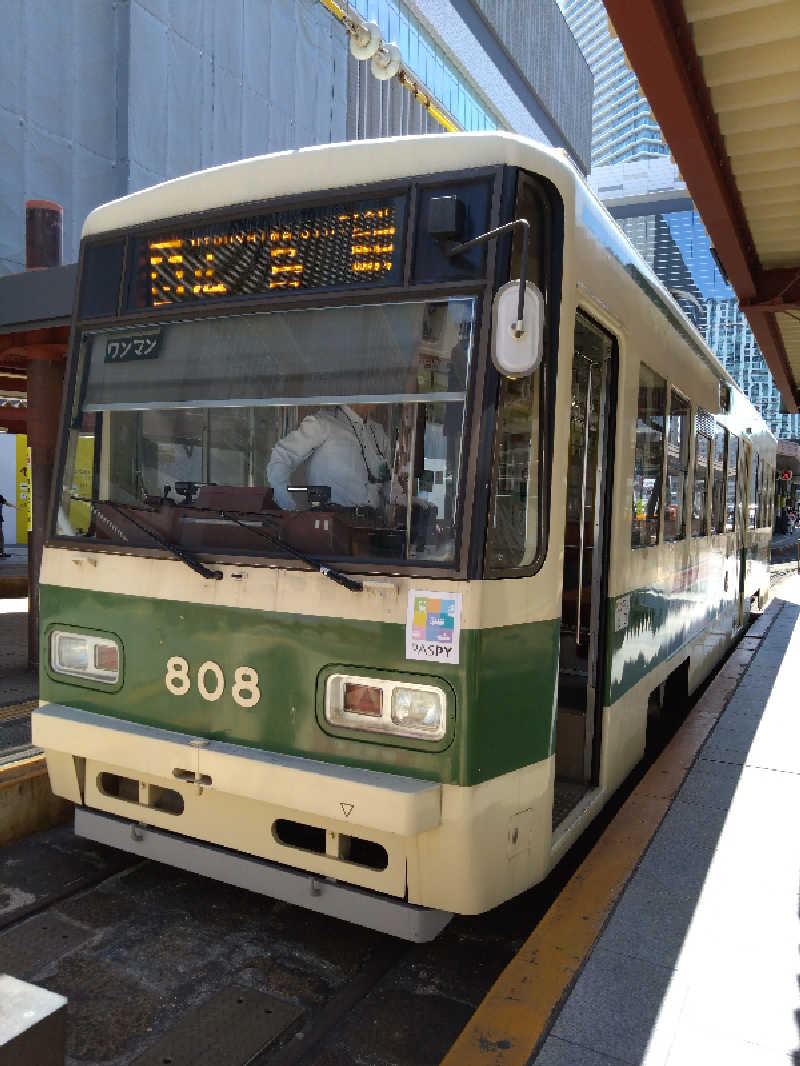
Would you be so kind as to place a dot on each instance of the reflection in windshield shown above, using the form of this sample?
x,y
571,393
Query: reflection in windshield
x,y
359,458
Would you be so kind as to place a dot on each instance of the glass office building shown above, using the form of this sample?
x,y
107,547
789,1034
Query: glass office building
x,y
642,189
651,204
622,125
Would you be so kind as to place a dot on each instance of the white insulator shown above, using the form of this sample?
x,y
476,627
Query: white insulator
x,y
366,41
386,63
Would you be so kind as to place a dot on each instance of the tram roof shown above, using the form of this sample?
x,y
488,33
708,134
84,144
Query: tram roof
x,y
348,164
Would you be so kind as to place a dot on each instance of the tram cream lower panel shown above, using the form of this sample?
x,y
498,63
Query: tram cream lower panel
x,y
269,588
447,847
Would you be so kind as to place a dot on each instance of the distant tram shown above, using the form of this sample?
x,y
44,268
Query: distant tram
x,y
393,491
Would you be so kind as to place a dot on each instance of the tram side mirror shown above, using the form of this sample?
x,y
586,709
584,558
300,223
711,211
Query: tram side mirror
x,y
517,340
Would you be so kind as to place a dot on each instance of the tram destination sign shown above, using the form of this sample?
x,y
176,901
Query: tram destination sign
x,y
339,245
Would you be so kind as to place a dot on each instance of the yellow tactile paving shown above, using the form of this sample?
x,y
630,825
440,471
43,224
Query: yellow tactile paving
x,y
16,772
514,1016
17,710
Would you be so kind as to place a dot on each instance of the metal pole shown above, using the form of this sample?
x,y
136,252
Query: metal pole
x,y
43,224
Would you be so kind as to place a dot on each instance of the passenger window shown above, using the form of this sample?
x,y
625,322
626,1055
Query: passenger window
x,y
648,463
677,467
730,496
753,491
718,480
766,481
702,456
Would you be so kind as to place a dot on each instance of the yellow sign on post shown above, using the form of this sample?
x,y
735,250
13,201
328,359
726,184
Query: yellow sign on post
x,y
23,470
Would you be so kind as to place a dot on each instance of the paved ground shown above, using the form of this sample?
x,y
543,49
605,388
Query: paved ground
x,y
783,546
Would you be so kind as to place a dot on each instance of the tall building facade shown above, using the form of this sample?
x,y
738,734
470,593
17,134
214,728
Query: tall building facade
x,y
622,126
651,205
632,174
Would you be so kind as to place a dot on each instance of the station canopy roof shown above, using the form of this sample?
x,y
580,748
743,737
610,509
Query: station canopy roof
x,y
722,78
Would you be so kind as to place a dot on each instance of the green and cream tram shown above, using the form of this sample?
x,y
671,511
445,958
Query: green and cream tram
x,y
407,701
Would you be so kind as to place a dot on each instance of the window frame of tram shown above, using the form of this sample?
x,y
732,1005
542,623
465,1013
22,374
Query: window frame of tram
x,y
752,516
703,452
677,465
719,478
731,482
508,548
648,458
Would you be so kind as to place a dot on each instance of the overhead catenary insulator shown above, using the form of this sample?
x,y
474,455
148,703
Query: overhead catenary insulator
x,y
386,62
365,41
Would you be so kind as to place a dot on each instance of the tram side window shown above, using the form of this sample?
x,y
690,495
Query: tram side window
x,y
766,481
754,475
677,467
730,495
718,480
648,462
702,459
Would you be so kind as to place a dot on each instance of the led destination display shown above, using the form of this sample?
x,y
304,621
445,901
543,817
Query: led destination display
x,y
351,244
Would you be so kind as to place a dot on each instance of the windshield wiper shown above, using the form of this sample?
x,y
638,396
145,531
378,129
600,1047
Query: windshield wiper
x,y
179,553
327,571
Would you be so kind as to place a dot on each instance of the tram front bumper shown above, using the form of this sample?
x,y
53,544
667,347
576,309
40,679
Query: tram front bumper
x,y
387,803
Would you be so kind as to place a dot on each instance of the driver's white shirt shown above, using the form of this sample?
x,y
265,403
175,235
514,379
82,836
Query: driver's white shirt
x,y
329,440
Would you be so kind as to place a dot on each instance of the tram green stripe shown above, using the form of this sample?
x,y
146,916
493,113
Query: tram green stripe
x,y
664,618
501,693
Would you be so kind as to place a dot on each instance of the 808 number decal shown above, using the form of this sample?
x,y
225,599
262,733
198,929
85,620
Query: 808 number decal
x,y
244,690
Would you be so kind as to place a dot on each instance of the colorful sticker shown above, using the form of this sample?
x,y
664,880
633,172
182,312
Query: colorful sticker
x,y
433,626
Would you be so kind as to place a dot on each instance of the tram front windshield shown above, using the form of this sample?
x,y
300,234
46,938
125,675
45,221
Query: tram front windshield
x,y
336,430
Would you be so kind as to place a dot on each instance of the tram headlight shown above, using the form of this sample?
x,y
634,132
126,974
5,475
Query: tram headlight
x,y
378,705
84,655
420,710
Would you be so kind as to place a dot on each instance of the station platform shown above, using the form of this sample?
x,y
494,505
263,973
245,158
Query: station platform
x,y
14,570
676,941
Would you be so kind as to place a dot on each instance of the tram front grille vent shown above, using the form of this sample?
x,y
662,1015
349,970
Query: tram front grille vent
x,y
140,793
341,846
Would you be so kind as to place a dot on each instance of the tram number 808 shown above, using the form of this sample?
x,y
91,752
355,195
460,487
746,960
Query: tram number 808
x,y
244,690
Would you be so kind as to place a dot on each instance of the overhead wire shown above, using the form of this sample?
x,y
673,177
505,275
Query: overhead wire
x,y
357,27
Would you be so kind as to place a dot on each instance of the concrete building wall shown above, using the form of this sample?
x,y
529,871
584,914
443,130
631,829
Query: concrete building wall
x,y
523,58
212,82
59,113
536,37
100,98
382,108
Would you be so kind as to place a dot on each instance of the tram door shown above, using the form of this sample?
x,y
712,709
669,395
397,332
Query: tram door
x,y
585,562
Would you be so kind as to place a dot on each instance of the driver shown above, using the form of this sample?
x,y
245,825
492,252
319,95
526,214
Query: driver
x,y
346,450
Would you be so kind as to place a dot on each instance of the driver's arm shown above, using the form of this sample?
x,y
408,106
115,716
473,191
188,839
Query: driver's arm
x,y
289,453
